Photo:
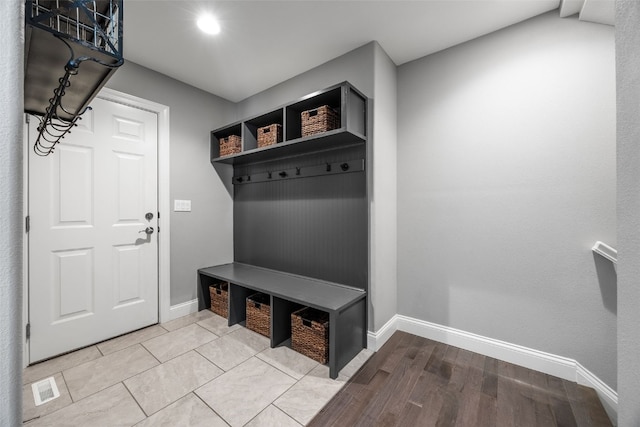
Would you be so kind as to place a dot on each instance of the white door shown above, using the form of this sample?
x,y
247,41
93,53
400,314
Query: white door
x,y
93,271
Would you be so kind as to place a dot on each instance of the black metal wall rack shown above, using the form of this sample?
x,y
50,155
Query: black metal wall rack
x,y
72,47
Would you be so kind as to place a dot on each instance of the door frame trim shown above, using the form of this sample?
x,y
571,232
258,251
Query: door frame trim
x,y
164,201
164,207
25,240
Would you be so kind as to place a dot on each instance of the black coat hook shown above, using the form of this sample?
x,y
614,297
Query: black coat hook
x,y
297,170
328,167
269,175
344,166
283,174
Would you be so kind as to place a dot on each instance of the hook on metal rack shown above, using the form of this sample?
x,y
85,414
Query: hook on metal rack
x,y
53,127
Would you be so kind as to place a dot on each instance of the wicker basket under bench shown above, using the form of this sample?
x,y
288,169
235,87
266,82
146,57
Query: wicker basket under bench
x,y
310,333
344,306
259,314
219,295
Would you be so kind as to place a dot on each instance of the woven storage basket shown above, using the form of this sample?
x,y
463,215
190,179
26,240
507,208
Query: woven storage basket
x,y
319,119
269,135
219,294
259,314
310,333
229,145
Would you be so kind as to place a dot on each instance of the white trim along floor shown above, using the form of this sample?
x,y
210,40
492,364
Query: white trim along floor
x,y
562,367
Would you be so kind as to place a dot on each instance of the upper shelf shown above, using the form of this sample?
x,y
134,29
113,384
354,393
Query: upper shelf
x,y
348,102
336,138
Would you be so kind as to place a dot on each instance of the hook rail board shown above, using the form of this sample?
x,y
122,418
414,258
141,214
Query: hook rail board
x,y
301,172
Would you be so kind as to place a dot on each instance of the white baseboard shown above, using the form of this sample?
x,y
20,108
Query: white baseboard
x,y
607,395
547,363
181,309
375,340
529,358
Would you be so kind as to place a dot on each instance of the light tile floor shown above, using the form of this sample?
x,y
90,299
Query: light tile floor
x,y
192,371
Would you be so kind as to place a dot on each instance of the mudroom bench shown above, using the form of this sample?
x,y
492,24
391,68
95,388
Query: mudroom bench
x,y
345,305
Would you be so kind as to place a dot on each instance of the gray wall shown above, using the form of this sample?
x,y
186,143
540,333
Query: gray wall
x,y
11,215
628,89
383,191
202,237
506,179
370,70
356,67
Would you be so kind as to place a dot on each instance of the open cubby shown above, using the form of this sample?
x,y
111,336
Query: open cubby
x,y
331,97
235,129
252,125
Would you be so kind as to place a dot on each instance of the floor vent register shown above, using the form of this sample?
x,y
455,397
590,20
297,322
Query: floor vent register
x,y
45,391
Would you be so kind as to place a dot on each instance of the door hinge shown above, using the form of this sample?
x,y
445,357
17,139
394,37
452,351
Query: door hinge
x,y
158,215
27,119
27,223
28,330
158,229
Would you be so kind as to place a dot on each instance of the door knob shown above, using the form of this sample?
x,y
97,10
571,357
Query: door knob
x,y
149,216
148,230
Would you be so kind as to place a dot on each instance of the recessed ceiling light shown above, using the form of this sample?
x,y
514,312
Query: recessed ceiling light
x,y
208,24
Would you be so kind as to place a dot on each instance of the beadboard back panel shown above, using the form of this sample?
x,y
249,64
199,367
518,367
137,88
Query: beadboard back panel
x,y
312,226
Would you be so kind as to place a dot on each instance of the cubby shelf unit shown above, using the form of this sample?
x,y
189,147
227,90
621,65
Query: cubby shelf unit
x,y
347,100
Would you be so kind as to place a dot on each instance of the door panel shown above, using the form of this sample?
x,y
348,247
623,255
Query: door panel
x,y
130,170
127,275
73,284
73,172
93,272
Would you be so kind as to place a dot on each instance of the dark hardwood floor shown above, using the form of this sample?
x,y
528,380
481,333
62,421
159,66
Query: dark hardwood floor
x,y
413,381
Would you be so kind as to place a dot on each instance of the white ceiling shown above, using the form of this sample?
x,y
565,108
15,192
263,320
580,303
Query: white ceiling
x,y
263,43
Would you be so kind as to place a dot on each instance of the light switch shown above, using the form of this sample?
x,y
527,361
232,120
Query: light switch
x,y
182,205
